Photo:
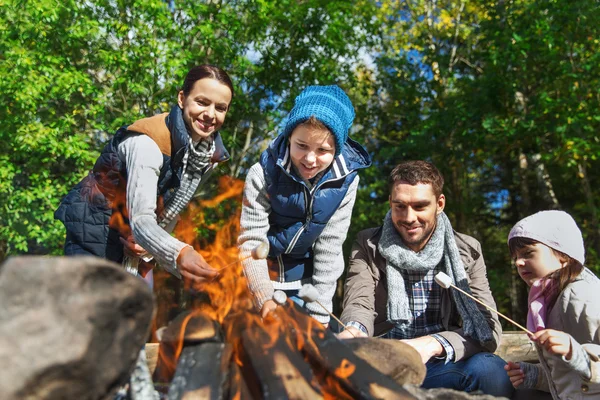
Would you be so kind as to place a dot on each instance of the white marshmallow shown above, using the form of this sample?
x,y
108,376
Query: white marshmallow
x,y
443,280
280,297
308,293
261,251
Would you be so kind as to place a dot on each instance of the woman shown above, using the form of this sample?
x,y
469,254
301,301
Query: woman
x,y
146,175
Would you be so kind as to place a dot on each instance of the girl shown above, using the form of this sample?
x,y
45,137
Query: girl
x,y
299,200
159,160
548,252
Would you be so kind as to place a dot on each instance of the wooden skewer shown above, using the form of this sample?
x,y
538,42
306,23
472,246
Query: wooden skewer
x,y
260,252
334,317
444,281
309,294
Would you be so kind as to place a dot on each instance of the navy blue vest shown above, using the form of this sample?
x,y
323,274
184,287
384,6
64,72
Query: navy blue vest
x,y
299,214
90,210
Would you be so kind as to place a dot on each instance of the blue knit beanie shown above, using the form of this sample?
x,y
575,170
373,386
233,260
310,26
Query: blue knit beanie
x,y
328,104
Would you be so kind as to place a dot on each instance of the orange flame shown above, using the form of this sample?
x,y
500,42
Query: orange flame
x,y
230,302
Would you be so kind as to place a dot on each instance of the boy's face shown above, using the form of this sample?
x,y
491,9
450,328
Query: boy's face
x,y
414,212
535,261
312,150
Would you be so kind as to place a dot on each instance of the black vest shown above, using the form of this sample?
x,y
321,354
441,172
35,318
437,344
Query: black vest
x,y
94,212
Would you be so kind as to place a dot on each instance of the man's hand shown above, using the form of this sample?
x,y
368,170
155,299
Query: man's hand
x,y
131,248
267,307
351,333
193,267
515,373
427,346
555,342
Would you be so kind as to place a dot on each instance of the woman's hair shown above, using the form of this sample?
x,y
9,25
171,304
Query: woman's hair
x,y
205,71
561,277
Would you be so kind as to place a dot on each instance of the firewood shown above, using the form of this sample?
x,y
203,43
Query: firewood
x,y
335,360
274,370
202,372
187,329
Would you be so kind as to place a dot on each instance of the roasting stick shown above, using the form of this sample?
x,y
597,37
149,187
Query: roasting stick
x,y
310,294
260,252
446,282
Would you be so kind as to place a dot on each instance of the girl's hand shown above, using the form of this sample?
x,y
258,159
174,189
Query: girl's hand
x,y
555,342
515,373
267,307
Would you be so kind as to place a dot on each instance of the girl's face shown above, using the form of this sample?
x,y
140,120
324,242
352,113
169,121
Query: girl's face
x,y
205,107
535,261
311,150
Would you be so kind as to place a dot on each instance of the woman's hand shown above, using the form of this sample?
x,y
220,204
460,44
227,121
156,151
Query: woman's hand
x,y
515,373
267,307
131,248
555,342
193,267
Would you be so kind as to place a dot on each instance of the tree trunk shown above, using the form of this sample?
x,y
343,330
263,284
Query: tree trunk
x,y
544,182
589,198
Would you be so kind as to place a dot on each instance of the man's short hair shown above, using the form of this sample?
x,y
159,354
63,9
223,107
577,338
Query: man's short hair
x,y
414,172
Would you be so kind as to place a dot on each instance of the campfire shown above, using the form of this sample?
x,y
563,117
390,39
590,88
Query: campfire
x,y
222,349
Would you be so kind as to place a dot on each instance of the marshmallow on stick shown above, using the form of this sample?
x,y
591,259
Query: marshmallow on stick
x,y
260,252
310,294
446,282
279,297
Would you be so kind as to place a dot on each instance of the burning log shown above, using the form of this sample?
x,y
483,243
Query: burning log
x,y
197,376
277,371
187,329
393,358
340,367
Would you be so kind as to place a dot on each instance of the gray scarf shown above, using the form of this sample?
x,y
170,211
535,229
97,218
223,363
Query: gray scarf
x,y
195,160
441,244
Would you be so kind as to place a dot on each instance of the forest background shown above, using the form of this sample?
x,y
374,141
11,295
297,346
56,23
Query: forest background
x,y
503,96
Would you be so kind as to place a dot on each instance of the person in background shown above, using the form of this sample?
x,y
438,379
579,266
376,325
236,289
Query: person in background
x,y
390,289
298,198
146,175
564,312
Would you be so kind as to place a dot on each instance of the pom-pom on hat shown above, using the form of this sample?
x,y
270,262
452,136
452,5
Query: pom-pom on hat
x,y
328,104
556,229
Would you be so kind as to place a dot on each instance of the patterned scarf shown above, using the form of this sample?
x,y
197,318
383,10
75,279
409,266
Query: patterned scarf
x,y
195,161
442,244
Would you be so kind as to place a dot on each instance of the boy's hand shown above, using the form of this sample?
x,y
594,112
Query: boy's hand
x,y
555,342
267,307
515,373
193,267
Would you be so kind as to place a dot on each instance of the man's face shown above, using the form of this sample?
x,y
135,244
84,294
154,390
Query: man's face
x,y
414,212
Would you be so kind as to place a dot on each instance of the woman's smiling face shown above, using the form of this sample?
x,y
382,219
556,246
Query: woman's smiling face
x,y
205,107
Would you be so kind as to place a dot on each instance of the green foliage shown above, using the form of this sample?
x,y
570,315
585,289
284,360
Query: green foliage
x,y
73,72
501,96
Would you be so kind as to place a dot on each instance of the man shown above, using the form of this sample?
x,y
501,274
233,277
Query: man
x,y
390,289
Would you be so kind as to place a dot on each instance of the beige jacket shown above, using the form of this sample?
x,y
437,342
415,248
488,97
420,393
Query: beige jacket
x,y
577,312
365,293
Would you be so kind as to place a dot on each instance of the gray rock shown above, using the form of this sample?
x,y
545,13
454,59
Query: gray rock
x,y
70,328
